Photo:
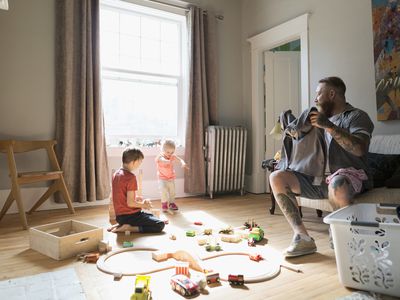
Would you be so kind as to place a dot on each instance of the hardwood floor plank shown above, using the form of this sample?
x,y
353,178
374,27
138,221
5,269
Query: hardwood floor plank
x,y
319,279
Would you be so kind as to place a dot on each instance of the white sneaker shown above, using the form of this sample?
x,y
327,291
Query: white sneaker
x,y
300,246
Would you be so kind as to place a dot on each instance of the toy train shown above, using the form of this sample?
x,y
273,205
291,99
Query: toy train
x,y
235,279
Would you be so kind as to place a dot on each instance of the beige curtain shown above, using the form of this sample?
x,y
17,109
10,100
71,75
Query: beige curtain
x,y
81,145
202,108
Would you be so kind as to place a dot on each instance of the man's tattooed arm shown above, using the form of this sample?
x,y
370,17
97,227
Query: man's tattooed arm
x,y
355,144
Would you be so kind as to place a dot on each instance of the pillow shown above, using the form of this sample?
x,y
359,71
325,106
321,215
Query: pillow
x,y
383,167
394,181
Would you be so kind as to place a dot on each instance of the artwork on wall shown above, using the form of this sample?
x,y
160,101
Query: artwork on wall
x,y
386,30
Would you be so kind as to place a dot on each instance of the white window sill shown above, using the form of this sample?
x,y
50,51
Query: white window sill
x,y
116,151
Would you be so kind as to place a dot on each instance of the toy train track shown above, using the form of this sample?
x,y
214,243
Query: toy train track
x,y
195,264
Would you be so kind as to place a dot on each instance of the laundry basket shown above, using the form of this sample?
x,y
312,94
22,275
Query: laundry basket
x,y
366,238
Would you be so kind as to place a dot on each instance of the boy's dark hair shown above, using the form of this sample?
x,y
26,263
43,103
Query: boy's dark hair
x,y
131,154
335,82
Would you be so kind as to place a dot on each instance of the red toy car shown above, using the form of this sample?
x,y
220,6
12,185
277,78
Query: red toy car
x,y
256,257
236,279
212,278
183,285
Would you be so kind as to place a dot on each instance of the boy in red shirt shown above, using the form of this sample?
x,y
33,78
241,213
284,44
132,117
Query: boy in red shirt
x,y
127,204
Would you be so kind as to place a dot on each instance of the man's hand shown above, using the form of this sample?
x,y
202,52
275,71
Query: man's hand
x,y
319,120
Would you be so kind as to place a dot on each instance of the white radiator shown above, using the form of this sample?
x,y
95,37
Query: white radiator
x,y
225,157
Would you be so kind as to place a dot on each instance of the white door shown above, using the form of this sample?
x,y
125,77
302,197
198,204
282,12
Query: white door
x,y
282,92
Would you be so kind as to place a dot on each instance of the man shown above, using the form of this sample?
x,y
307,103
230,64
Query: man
x,y
347,133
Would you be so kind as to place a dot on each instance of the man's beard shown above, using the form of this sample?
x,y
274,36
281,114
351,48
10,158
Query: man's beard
x,y
326,108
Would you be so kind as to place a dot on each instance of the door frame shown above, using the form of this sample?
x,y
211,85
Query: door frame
x,y
294,29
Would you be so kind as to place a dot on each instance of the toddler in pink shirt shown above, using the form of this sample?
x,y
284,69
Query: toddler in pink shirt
x,y
166,174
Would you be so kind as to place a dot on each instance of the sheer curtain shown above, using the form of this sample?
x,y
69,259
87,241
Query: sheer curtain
x,y
81,145
202,107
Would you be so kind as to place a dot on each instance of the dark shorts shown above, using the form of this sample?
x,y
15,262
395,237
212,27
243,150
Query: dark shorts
x,y
311,191
308,189
146,222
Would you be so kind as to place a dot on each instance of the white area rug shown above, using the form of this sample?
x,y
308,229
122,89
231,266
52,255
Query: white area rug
x,y
57,285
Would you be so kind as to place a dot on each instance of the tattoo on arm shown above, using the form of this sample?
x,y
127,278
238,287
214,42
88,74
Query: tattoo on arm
x,y
338,182
287,203
355,144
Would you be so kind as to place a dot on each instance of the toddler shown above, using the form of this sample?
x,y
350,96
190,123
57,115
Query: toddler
x,y
166,174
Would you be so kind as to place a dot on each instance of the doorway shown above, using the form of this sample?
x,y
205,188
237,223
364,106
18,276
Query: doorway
x,y
282,91
260,44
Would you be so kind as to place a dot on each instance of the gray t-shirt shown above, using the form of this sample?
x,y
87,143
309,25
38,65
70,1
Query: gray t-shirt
x,y
355,121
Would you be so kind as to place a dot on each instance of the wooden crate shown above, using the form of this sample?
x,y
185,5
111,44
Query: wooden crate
x,y
65,239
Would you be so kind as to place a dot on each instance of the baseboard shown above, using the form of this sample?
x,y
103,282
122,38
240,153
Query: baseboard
x,y
31,195
256,182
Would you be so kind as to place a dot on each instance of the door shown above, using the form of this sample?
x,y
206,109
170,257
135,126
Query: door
x,y
282,92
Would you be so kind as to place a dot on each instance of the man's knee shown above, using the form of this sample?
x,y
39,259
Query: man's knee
x,y
340,189
283,179
278,177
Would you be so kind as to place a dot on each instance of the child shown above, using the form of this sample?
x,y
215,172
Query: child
x,y
166,174
126,203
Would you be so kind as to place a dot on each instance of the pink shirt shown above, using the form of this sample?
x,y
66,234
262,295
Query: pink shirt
x,y
165,167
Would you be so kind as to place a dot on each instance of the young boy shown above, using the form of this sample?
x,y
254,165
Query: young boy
x,y
166,174
127,205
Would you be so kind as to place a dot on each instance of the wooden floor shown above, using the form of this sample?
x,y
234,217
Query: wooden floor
x,y
319,279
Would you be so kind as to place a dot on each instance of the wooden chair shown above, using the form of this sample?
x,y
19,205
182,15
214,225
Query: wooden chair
x,y
10,148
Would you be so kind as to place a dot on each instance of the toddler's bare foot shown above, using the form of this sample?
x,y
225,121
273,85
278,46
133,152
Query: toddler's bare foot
x,y
123,228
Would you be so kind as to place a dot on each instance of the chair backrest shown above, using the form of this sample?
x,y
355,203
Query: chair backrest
x,y
10,147
25,146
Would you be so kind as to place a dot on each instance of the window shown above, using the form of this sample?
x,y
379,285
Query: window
x,y
143,60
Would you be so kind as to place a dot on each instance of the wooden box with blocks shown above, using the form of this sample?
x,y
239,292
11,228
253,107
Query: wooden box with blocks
x,y
65,239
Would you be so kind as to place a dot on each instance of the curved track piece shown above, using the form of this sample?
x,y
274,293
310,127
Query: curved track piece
x,y
181,255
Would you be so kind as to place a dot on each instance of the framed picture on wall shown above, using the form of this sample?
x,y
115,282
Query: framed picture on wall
x,y
386,31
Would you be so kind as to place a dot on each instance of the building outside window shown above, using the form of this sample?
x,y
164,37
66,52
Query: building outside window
x,y
144,78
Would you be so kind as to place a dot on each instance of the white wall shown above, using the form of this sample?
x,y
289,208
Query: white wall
x,y
340,44
229,59
26,75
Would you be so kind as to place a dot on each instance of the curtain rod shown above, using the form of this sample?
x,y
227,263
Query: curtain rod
x,y
185,8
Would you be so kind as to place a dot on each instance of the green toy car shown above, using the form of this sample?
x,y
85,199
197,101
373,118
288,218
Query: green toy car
x,y
257,234
210,247
190,233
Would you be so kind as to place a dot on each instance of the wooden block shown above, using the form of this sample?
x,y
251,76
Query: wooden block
x,y
230,238
104,246
127,244
92,257
159,256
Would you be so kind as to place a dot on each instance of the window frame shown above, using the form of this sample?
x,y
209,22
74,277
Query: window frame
x,y
160,12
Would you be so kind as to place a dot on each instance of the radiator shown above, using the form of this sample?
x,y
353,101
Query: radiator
x,y
225,158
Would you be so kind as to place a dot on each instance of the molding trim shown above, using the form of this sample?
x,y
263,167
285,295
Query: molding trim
x,y
296,28
4,4
31,195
